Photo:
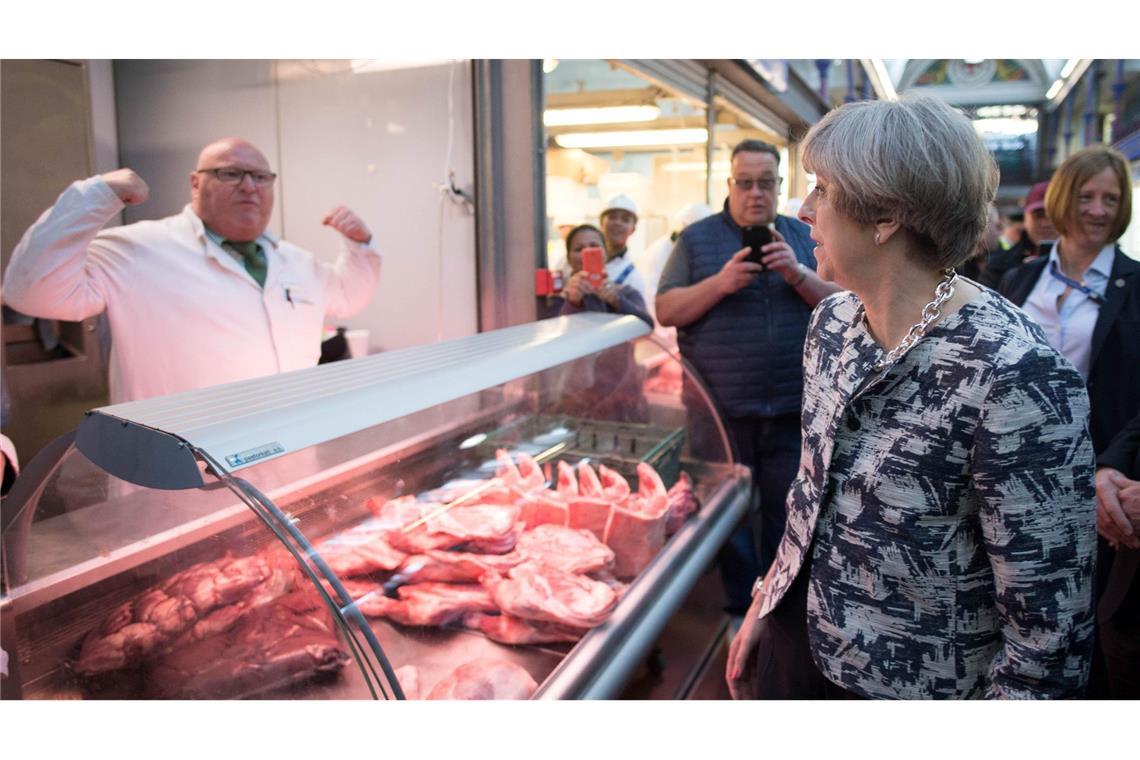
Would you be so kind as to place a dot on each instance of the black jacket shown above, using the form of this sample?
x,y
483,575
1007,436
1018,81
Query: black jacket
x,y
1121,593
1114,369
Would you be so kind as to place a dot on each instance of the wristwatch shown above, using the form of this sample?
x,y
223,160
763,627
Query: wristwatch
x,y
759,584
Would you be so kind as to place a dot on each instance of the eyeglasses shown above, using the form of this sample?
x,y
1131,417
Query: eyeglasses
x,y
231,175
766,185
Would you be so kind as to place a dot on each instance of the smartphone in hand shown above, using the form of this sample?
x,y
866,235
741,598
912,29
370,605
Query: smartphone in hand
x,y
756,237
594,265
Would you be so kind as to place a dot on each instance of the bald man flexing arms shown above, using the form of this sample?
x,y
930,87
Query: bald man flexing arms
x,y
203,297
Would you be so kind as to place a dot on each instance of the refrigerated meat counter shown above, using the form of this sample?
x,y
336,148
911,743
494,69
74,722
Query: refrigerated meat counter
x,y
499,516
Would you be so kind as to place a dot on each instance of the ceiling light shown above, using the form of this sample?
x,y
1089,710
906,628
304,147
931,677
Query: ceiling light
x,y
1054,89
549,65
1069,66
566,117
633,138
367,65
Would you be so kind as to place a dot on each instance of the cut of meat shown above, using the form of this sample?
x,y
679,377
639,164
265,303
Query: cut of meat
x,y
434,604
682,503
567,481
486,679
144,626
614,486
588,482
409,678
360,551
526,474
453,567
282,643
443,528
539,592
543,508
508,629
588,513
568,549
636,529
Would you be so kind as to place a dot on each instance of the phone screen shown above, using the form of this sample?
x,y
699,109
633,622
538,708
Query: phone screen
x,y
755,238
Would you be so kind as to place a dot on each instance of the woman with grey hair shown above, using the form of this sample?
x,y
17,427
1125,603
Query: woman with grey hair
x,y
941,530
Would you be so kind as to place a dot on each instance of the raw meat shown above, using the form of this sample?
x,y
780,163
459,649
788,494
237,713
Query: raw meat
x,y
142,627
452,567
434,604
535,591
636,528
527,475
567,482
543,508
282,643
614,486
568,549
486,678
682,503
409,678
441,527
360,551
588,482
508,629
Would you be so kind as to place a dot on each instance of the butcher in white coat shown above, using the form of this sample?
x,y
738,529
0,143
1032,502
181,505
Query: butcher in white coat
x,y
203,297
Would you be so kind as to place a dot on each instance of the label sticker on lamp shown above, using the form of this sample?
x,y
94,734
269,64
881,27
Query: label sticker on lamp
x,y
252,455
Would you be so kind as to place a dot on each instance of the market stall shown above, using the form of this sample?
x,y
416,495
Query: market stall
x,y
503,515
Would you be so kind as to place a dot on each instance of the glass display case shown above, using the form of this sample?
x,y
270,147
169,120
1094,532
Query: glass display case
x,y
508,515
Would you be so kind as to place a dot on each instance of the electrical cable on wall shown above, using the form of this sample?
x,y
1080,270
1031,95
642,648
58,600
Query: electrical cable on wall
x,y
448,190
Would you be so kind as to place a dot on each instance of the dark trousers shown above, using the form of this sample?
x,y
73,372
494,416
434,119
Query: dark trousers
x,y
770,446
784,667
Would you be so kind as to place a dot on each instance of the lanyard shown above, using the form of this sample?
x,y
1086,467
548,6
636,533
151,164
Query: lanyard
x,y
624,273
1093,296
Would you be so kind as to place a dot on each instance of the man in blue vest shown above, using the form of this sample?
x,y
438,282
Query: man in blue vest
x,y
742,326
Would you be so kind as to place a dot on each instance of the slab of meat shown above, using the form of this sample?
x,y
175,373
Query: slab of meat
x,y
142,627
434,604
569,549
452,567
521,471
567,483
539,592
441,527
614,486
636,528
282,643
682,503
508,629
588,513
409,678
543,508
588,482
360,550
486,678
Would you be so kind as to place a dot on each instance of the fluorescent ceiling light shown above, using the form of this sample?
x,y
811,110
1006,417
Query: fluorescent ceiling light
x,y
1054,89
566,117
1069,66
367,65
633,138
549,65
694,166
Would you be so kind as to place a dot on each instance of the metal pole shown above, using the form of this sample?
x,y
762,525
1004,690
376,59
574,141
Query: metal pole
x,y
1091,104
823,65
1068,123
1118,102
850,97
710,123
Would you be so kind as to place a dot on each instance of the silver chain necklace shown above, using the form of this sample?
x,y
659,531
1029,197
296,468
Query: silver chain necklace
x,y
943,292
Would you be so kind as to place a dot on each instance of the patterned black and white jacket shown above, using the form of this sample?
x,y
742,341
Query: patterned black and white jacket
x,y
949,506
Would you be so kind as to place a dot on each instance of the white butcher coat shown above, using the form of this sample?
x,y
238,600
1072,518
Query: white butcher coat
x,y
183,312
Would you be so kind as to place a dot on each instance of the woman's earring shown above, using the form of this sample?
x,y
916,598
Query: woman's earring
x,y
877,239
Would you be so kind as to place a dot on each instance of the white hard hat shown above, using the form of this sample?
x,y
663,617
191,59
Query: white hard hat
x,y
689,213
620,201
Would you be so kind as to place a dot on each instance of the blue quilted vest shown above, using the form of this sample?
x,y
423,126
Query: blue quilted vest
x,y
748,348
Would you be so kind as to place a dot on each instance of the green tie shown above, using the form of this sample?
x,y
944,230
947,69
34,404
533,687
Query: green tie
x,y
253,258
